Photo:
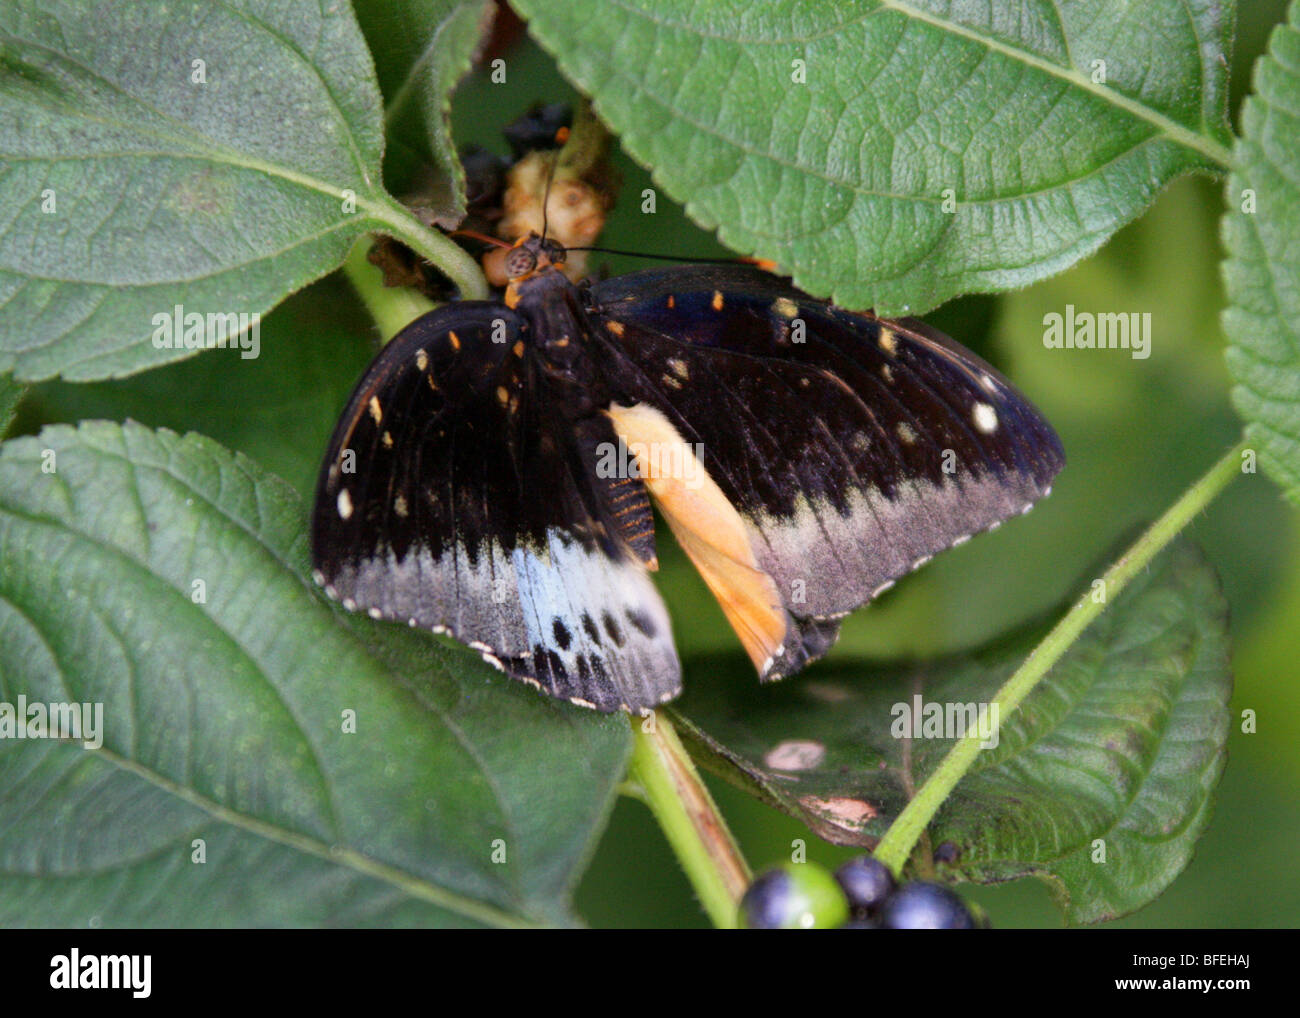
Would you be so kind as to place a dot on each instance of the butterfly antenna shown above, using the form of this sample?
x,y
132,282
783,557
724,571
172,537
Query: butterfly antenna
x,y
475,235
546,194
761,263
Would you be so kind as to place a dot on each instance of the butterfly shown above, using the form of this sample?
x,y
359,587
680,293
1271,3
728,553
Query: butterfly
x,y
493,474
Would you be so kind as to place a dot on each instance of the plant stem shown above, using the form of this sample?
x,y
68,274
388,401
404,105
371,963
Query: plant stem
x,y
667,781
392,307
453,260
897,843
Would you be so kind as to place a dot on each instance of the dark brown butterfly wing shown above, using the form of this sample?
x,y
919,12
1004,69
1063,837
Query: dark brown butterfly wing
x,y
455,497
852,449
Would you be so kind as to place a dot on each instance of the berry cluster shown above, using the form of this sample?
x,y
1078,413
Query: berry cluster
x,y
861,895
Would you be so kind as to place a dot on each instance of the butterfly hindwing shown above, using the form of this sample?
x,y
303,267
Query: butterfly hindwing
x,y
455,497
851,448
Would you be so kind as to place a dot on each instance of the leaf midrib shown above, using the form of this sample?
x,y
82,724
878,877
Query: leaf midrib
x,y
1200,143
856,188
374,199
408,883
1176,132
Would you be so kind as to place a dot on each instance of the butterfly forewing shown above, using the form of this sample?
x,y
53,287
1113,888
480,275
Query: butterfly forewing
x,y
455,496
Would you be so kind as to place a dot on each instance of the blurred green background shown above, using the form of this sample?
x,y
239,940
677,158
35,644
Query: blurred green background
x,y
1136,433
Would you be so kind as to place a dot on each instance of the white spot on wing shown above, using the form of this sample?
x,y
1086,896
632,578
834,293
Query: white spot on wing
x,y
985,418
345,504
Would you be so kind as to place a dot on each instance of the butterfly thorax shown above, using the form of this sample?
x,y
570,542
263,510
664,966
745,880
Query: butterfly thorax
x,y
556,331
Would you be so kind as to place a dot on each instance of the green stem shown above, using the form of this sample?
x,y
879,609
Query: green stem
x,y
450,258
897,843
392,307
663,776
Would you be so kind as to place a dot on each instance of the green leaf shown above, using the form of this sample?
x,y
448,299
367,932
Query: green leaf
x,y
1262,271
130,185
842,179
278,408
224,710
11,394
1123,741
422,48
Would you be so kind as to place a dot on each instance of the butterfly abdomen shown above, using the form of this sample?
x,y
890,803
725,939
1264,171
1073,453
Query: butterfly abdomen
x,y
620,501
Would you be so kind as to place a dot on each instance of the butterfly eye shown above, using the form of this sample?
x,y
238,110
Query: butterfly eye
x,y
555,252
519,262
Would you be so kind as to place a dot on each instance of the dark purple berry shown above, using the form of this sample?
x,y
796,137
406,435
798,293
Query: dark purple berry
x,y
924,906
793,897
866,882
767,901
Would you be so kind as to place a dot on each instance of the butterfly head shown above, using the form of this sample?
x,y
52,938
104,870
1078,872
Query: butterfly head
x,y
531,257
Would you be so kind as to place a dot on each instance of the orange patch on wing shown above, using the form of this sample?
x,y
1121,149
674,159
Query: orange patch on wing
x,y
709,529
